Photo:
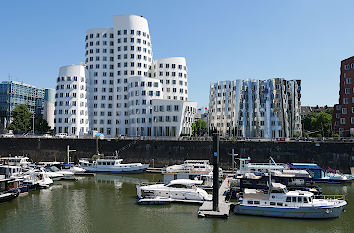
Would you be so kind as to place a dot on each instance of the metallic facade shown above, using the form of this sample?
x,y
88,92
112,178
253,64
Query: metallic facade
x,y
255,108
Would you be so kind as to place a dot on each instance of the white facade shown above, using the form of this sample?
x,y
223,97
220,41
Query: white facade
x,y
49,107
255,108
172,118
71,110
120,68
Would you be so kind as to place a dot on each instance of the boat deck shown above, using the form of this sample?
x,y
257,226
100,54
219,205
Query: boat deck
x,y
206,210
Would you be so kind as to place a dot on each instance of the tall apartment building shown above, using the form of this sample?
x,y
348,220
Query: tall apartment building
x,y
255,108
129,93
14,93
343,114
71,111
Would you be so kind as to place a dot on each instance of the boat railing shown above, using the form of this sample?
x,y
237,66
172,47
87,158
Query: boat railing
x,y
187,171
331,197
267,164
149,183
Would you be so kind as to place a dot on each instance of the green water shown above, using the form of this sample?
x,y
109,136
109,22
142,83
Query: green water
x,y
107,203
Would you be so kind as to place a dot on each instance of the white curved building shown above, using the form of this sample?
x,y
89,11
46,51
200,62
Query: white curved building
x,y
120,68
172,73
71,111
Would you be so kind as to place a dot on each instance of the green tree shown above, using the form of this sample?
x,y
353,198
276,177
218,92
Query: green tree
x,y
21,119
198,127
318,124
41,125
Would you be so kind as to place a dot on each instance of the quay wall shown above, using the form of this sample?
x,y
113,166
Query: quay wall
x,y
335,155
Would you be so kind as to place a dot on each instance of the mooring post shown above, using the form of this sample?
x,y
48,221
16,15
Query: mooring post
x,y
215,172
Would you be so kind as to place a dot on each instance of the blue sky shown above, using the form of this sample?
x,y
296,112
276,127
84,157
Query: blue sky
x,y
221,40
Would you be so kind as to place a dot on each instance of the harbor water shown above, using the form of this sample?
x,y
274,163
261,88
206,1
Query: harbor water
x,y
107,203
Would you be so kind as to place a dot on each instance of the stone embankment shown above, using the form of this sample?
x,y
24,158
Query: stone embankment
x,y
335,155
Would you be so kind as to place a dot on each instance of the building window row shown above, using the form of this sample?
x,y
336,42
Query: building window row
x,y
133,32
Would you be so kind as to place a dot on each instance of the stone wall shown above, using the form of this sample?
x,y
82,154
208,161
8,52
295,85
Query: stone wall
x,y
336,155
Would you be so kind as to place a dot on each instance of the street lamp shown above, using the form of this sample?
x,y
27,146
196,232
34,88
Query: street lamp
x,y
33,123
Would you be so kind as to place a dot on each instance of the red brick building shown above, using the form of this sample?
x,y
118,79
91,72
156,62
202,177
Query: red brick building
x,y
343,114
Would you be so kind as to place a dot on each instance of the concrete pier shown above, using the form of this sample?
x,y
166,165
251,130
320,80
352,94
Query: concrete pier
x,y
206,210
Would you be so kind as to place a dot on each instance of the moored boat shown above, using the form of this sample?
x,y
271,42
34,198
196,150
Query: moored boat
x,y
279,202
180,190
111,165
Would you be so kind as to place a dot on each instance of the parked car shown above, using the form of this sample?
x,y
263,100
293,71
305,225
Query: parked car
x,y
7,135
61,135
47,136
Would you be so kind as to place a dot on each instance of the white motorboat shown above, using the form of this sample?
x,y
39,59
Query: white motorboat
x,y
279,202
37,179
180,190
112,166
191,169
60,174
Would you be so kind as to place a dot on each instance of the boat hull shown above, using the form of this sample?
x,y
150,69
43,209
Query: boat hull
x,y
118,170
300,212
331,181
8,196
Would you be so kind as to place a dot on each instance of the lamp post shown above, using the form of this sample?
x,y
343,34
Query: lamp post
x,y
32,123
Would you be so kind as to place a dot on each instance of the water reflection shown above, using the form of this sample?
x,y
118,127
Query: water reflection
x,y
107,203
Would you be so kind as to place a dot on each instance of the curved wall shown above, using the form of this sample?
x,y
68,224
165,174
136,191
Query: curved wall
x,y
71,113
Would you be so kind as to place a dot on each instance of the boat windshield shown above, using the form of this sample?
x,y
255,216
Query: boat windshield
x,y
54,169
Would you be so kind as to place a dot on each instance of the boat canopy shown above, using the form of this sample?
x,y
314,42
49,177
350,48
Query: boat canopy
x,y
305,166
186,182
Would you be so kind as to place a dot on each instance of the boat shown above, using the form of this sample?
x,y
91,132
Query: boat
x,y
72,168
293,179
11,171
319,175
191,169
58,174
21,161
279,202
111,165
5,193
180,190
247,167
37,179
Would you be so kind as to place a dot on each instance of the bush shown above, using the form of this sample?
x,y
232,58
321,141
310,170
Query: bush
x,y
335,135
318,135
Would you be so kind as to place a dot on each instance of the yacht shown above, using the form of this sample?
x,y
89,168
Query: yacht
x,y
10,171
16,161
293,179
191,169
319,175
5,193
37,179
180,190
112,165
58,174
279,202
246,166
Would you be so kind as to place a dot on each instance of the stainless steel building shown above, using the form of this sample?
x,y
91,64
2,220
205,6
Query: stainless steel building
x,y
255,108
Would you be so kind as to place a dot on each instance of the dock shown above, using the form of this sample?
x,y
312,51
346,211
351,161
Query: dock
x,y
155,169
206,210
85,174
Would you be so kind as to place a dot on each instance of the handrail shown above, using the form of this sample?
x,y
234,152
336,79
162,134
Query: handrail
x,y
331,197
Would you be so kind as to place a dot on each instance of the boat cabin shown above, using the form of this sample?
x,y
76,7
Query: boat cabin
x,y
15,161
315,170
8,171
